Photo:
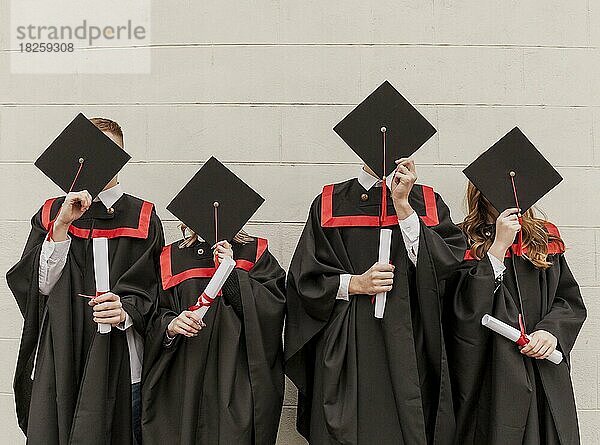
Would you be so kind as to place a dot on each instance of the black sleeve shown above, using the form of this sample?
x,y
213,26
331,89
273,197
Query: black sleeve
x,y
139,286
445,242
23,277
231,293
568,312
315,269
312,284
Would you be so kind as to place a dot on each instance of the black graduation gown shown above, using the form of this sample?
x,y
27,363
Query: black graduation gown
x,y
81,392
501,396
226,385
360,379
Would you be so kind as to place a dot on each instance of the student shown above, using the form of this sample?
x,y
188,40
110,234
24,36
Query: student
x,y
216,380
73,384
515,268
361,379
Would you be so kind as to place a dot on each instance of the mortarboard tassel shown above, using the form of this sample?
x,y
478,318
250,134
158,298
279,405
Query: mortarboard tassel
x,y
81,162
216,258
519,249
519,252
383,211
385,235
51,225
216,213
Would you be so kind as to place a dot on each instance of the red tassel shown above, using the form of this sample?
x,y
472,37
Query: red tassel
x,y
518,250
51,225
383,213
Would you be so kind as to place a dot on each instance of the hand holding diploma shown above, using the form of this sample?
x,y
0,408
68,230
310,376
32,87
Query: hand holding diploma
x,y
226,266
541,345
108,311
379,278
189,322
537,338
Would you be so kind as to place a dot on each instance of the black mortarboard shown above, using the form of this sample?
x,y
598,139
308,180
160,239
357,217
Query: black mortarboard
x,y
215,194
82,158
384,110
513,157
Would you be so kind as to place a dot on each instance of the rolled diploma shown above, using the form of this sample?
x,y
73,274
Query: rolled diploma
x,y
513,334
101,273
216,283
385,242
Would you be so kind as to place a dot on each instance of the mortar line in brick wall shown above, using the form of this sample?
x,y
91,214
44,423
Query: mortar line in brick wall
x,y
188,45
289,104
292,163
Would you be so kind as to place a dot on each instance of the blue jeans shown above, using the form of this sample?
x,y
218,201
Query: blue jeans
x,y
136,413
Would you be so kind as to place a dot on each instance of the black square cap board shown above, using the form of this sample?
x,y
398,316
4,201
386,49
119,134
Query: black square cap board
x,y
82,158
215,198
385,116
512,158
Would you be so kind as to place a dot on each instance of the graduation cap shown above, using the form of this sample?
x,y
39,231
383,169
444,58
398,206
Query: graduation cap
x,y
384,127
512,173
82,158
215,203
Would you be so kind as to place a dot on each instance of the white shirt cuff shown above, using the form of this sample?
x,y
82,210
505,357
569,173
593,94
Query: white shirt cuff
x,y
410,226
53,258
168,339
123,326
342,293
411,229
497,265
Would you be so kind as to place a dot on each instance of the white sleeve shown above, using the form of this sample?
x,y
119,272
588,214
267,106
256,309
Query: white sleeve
x,y
168,341
342,293
123,326
497,265
411,230
53,258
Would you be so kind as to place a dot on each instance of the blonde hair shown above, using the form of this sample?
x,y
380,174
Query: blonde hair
x,y
535,235
190,237
108,126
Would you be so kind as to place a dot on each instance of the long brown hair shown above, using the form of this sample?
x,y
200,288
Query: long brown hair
x,y
480,213
190,237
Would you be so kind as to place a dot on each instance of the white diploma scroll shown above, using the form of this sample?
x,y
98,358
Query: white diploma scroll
x,y
385,242
513,334
215,284
101,273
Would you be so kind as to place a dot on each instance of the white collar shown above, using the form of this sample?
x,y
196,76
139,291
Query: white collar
x,y
368,181
110,196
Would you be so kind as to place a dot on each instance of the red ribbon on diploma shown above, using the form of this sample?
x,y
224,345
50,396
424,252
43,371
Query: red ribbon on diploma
x,y
523,340
203,300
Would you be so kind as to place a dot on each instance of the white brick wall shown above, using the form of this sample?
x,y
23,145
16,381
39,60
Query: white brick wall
x,y
260,84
